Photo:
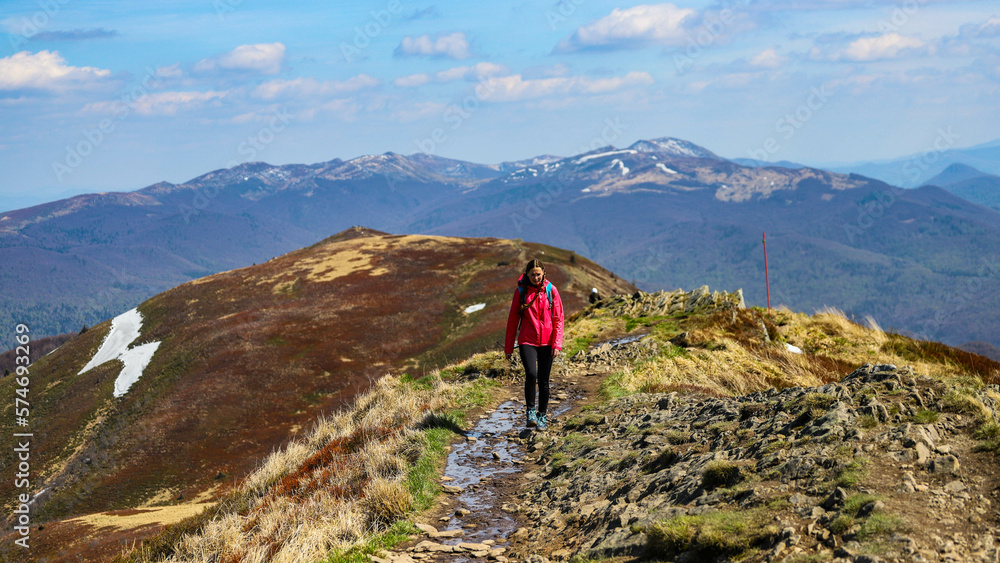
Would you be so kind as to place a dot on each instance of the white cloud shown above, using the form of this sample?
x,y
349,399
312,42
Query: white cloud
x,y
514,88
169,103
656,24
991,28
172,71
474,72
986,30
159,103
867,49
265,58
478,71
412,80
312,88
453,46
768,58
45,71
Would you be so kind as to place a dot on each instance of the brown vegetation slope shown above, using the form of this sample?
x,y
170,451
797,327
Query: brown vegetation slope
x,y
251,356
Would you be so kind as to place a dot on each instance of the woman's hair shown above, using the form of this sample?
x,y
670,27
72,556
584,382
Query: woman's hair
x,y
532,264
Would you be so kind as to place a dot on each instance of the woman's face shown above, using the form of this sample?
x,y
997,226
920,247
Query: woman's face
x,y
535,275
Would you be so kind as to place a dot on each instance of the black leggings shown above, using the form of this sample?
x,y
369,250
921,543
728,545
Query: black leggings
x,y
537,362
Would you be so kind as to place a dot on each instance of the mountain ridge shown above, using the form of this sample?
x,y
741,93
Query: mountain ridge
x,y
94,257
301,333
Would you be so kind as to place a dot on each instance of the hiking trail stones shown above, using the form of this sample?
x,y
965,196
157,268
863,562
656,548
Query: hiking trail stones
x,y
597,480
645,458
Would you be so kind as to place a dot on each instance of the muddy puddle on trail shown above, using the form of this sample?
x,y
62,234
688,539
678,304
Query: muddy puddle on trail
x,y
491,453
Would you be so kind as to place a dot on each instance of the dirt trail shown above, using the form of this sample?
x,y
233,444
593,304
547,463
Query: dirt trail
x,y
487,472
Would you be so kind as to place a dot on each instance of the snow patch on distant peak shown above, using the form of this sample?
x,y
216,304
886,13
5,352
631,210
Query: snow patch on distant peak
x,y
583,159
663,167
125,329
621,164
676,147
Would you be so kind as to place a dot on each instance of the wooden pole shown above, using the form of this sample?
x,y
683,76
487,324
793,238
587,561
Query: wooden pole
x,y
767,282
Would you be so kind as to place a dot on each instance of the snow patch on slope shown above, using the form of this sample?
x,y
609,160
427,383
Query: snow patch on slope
x,y
125,329
603,154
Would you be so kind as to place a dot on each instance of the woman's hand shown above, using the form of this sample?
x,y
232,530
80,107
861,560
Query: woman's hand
x,y
508,357
555,352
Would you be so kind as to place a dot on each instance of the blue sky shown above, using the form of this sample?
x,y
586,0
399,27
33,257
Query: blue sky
x,y
115,96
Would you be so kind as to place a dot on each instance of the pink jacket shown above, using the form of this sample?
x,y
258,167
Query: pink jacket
x,y
540,325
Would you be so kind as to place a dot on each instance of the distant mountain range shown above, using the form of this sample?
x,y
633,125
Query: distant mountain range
x,y
664,213
918,169
969,183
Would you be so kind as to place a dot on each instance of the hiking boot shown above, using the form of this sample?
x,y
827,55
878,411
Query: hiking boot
x,y
542,422
532,419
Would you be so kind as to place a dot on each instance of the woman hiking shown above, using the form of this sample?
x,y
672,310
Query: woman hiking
x,y
538,310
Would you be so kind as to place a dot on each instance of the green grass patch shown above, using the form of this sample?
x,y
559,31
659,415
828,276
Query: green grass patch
x,y
855,503
809,558
479,393
422,479
425,383
841,524
666,330
576,345
779,503
632,322
582,421
777,445
676,437
881,524
360,553
989,433
816,403
722,427
720,473
925,416
662,460
853,473
612,387
733,535
867,421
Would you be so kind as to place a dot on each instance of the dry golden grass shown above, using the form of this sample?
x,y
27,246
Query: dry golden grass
x,y
728,354
329,490
128,519
386,500
730,369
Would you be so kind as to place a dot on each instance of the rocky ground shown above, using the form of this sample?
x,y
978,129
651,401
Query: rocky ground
x,y
880,466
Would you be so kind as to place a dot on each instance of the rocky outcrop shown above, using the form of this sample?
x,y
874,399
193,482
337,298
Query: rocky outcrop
x,y
847,471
